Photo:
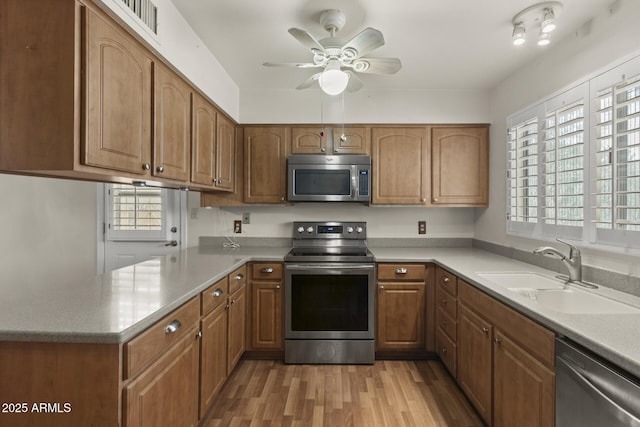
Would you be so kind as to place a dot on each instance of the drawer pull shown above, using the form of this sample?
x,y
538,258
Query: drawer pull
x,y
217,293
172,327
401,271
267,270
240,276
445,279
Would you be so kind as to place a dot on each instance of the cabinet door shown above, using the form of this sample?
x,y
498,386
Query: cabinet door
x,y
213,356
474,361
309,140
401,316
203,160
265,156
165,394
117,91
460,166
225,154
351,140
266,312
524,389
172,143
237,327
399,159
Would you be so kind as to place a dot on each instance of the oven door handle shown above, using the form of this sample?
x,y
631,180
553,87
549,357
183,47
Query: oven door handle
x,y
329,268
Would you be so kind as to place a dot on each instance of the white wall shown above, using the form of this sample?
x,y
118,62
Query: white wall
x,y
600,42
182,47
48,230
364,106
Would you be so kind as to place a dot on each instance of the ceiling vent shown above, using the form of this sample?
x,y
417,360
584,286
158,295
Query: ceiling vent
x,y
145,10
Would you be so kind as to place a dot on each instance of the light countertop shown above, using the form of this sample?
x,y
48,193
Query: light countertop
x,y
114,307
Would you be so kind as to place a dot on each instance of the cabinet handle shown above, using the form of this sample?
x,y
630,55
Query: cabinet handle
x,y
335,150
215,180
401,271
435,199
219,181
444,351
217,293
282,199
444,323
267,270
322,150
497,340
146,166
199,335
277,286
240,276
444,301
381,288
172,327
160,169
485,330
233,301
445,279
423,200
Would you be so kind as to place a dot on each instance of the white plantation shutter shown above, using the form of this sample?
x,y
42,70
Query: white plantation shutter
x,y
136,213
616,151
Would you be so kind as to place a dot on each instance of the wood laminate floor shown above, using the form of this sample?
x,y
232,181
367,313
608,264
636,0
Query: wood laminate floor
x,y
266,393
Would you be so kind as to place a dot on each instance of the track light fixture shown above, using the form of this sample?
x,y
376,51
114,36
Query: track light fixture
x,y
541,16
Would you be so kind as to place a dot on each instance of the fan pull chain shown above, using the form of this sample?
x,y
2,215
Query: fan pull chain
x,y
321,115
343,137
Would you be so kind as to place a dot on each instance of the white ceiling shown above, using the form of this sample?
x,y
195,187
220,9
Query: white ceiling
x,y
444,44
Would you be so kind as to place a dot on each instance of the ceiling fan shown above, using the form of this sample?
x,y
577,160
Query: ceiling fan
x,y
339,59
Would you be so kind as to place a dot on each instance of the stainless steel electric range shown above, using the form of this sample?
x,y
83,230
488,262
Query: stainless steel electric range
x,y
329,294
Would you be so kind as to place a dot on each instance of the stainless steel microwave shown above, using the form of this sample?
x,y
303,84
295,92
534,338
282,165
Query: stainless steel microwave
x,y
318,178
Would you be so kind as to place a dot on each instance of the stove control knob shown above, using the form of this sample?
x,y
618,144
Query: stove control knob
x,y
309,229
359,229
349,229
300,229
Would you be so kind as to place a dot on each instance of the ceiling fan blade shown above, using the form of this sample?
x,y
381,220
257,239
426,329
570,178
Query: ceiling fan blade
x,y
377,65
354,82
309,82
291,64
364,42
306,39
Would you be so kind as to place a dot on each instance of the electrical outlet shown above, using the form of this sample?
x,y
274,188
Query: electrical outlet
x,y
237,226
246,218
422,227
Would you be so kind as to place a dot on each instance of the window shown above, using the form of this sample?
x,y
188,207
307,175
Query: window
x,y
136,213
573,163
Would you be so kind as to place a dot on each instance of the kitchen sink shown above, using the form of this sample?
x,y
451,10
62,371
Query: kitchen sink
x,y
524,280
553,294
576,301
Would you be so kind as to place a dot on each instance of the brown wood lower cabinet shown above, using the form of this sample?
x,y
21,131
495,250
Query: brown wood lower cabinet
x,y
401,302
237,326
505,362
267,301
165,393
213,351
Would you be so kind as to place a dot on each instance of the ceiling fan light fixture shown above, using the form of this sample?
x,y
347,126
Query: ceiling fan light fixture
x,y
333,81
519,34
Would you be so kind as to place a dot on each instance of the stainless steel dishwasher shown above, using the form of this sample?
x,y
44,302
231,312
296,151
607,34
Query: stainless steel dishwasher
x,y
592,393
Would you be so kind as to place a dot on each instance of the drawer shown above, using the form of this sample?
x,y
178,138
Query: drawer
x,y
447,281
446,303
266,270
447,352
215,295
448,325
150,344
530,335
237,278
417,272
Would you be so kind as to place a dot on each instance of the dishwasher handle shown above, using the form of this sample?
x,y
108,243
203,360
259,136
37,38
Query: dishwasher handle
x,y
618,411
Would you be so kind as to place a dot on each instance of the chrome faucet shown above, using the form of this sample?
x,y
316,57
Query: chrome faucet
x,y
573,262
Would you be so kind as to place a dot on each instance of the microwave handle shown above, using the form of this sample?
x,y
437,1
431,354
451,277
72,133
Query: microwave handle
x,y
354,181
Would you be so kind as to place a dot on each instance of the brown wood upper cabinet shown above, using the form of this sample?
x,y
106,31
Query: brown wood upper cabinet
x,y
225,154
431,165
460,166
336,140
172,142
265,159
399,158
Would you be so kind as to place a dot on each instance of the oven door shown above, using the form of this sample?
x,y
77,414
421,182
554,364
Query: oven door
x,y
329,301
